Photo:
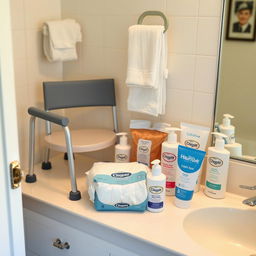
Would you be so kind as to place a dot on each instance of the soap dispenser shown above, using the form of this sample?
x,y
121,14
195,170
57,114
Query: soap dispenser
x,y
122,150
156,188
228,129
169,159
217,168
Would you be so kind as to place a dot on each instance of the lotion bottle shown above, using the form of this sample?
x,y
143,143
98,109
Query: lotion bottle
x,y
228,129
122,150
169,160
156,188
217,168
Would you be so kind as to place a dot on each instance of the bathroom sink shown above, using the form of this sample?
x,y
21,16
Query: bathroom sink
x,y
225,231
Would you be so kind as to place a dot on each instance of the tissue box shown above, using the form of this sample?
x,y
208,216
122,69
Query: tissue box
x,y
118,186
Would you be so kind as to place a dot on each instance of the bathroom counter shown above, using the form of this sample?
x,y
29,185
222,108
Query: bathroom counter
x,y
141,233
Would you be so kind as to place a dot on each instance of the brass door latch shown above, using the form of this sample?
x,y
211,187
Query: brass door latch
x,y
16,174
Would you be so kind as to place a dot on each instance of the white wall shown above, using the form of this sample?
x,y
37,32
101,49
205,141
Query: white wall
x,y
193,47
31,68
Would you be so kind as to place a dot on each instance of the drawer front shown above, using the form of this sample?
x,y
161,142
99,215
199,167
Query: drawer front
x,y
40,232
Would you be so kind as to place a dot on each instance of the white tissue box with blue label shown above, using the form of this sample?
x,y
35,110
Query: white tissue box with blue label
x,y
118,186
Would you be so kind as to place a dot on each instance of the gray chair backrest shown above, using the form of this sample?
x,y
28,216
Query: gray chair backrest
x,y
83,93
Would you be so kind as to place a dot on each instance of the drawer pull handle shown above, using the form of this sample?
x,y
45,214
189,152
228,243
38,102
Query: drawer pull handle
x,y
57,243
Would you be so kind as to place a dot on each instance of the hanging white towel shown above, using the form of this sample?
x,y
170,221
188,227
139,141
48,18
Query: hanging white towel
x,y
147,69
60,38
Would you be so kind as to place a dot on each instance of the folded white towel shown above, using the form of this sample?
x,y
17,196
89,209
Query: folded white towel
x,y
60,38
147,69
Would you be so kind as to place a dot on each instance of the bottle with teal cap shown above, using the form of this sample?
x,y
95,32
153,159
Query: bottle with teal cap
x,y
217,168
156,188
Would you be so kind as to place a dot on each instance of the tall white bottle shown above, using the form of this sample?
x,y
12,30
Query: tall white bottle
x,y
228,129
156,188
169,160
122,150
217,168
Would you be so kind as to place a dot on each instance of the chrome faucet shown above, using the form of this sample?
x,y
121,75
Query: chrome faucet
x,y
252,200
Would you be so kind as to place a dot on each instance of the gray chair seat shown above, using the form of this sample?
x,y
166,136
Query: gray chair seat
x,y
84,140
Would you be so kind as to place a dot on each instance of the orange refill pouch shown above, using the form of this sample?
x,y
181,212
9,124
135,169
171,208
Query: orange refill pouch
x,y
146,142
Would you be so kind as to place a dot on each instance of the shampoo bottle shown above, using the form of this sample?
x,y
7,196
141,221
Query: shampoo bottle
x,y
217,168
156,188
122,150
169,160
228,129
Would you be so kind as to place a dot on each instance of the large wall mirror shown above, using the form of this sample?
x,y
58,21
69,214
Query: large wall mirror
x,y
236,94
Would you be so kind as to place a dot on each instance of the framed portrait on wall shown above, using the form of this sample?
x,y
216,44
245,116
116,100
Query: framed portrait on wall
x,y
241,20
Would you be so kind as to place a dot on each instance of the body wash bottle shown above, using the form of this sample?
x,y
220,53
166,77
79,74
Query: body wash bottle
x,y
169,160
156,188
217,168
122,150
228,129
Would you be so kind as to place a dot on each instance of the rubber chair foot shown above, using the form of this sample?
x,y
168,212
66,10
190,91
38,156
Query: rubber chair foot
x,y
46,165
30,178
74,196
66,156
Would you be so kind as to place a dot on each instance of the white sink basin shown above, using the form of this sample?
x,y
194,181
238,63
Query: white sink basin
x,y
225,231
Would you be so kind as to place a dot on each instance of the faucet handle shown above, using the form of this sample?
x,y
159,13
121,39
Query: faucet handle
x,y
248,187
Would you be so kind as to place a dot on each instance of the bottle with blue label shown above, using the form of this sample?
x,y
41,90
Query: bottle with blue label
x,y
156,188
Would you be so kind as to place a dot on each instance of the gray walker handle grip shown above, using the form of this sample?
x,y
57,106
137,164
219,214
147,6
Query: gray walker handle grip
x,y
52,117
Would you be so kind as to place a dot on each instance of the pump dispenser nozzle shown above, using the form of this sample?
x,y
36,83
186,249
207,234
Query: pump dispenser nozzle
x,y
172,137
156,168
123,138
220,140
227,119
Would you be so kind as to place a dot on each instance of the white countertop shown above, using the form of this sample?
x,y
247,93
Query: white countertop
x,y
163,229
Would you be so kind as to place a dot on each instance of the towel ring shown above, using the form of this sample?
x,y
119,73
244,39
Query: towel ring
x,y
154,13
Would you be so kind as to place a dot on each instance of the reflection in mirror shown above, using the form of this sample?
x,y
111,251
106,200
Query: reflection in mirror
x,y
236,97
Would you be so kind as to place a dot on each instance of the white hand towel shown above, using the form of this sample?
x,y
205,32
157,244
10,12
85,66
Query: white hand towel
x,y
144,52
60,38
150,73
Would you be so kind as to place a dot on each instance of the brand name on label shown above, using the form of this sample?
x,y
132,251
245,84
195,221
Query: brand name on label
x,y
215,161
121,157
143,149
156,190
192,144
193,135
121,175
189,158
169,157
122,205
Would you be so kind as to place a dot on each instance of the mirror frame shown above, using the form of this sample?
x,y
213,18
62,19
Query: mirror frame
x,y
219,56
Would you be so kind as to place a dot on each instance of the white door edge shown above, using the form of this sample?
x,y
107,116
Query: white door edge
x,y
11,215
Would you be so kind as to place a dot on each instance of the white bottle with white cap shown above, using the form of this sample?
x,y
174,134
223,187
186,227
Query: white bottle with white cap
x,y
228,129
156,188
122,150
217,168
169,159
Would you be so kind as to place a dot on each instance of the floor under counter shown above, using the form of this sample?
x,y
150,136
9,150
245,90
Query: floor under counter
x,y
142,233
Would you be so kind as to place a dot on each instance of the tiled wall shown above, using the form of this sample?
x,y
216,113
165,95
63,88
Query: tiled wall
x,y
31,68
193,47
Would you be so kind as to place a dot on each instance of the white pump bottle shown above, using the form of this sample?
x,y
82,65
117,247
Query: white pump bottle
x,y
156,188
122,150
217,168
228,129
169,159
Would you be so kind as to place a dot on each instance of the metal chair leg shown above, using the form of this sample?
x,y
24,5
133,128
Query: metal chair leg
x,y
46,164
31,177
74,194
